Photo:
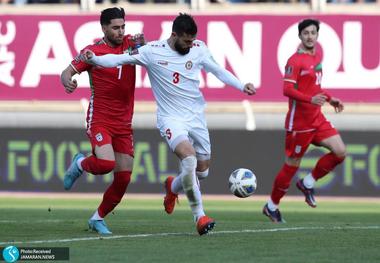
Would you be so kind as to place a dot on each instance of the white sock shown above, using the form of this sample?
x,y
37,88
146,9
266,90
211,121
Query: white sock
x,y
177,185
272,206
197,209
195,198
190,186
309,181
79,163
96,216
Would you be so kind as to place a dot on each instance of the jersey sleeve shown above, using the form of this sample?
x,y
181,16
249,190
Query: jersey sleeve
x,y
78,65
292,70
210,65
290,91
135,57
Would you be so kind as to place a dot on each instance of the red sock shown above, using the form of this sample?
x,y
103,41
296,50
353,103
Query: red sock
x,y
97,166
114,193
282,182
326,164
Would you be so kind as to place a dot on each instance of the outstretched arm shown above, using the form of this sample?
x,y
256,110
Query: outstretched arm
x,y
109,60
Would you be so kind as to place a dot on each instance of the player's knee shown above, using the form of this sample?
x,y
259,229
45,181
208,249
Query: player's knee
x,y
104,166
202,174
122,178
341,152
340,156
189,164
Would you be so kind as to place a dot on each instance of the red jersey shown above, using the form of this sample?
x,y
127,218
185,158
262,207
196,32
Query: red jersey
x,y
112,89
302,81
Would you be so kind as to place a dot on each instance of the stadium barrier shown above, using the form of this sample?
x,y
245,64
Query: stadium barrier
x,y
35,160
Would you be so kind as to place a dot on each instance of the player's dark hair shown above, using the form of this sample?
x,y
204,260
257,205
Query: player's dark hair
x,y
111,13
307,22
184,23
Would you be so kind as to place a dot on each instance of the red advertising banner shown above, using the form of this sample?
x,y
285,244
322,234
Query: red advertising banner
x,y
35,49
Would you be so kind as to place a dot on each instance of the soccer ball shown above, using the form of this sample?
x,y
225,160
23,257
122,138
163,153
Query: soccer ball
x,y
242,182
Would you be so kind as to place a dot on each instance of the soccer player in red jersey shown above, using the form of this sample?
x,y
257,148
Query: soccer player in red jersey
x,y
109,115
305,124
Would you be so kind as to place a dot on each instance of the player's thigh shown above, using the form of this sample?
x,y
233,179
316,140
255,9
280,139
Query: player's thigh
x,y
122,143
327,136
200,138
335,144
101,142
296,144
175,133
184,149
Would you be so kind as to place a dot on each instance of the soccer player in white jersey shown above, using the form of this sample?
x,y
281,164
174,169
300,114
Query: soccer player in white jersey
x,y
173,66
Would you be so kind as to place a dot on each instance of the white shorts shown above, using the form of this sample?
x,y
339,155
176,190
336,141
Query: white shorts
x,y
194,130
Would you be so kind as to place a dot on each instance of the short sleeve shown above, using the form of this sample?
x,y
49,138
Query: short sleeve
x,y
292,70
78,65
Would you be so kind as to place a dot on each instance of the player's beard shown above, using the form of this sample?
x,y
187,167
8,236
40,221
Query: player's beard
x,y
181,50
115,41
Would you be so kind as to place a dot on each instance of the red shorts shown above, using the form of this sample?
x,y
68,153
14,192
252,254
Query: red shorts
x,y
120,138
296,143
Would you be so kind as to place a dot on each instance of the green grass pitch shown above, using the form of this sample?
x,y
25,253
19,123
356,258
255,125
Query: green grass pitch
x,y
336,231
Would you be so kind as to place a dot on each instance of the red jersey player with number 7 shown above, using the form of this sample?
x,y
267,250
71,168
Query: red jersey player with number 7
x,y
305,124
109,116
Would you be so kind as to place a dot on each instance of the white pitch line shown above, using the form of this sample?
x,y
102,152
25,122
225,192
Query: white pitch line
x,y
283,229
28,221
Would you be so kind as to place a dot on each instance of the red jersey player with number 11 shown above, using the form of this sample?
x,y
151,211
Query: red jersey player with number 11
x,y
305,123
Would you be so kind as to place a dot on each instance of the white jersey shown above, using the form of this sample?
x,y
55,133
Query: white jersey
x,y
174,77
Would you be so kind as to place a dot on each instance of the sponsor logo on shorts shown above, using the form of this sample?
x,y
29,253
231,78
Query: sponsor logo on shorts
x,y
298,148
99,137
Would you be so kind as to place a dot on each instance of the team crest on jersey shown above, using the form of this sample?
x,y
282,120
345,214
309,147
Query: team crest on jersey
x,y
288,70
99,137
189,65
